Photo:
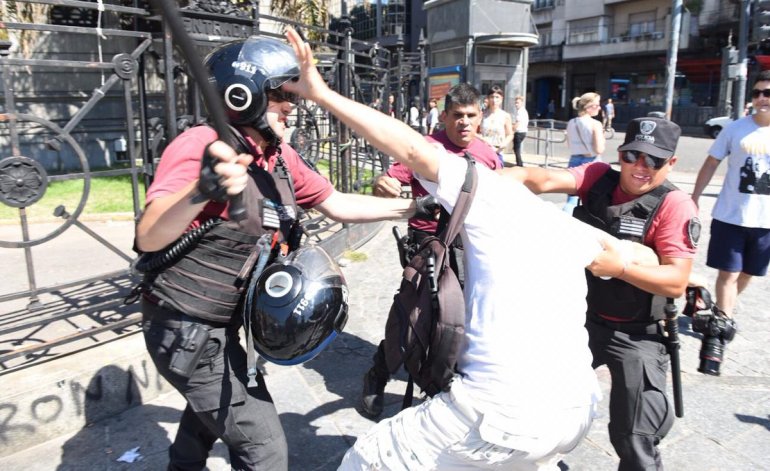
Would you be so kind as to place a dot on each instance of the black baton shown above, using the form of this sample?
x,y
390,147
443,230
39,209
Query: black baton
x,y
672,346
172,17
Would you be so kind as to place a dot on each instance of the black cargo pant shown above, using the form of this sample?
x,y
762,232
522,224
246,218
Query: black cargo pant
x,y
219,406
640,413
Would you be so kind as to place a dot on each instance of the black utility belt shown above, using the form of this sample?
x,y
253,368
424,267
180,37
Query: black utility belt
x,y
166,315
635,328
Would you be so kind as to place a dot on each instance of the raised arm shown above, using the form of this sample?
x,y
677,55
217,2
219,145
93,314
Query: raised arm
x,y
540,180
387,134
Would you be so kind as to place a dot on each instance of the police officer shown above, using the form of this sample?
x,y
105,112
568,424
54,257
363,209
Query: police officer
x,y
461,118
637,204
190,298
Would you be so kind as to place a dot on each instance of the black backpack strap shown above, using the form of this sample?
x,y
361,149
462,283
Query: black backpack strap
x,y
408,394
463,204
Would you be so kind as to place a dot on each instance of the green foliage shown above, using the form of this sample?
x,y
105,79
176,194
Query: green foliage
x,y
106,195
310,12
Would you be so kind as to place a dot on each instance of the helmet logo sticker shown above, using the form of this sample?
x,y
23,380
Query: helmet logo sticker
x,y
278,284
238,97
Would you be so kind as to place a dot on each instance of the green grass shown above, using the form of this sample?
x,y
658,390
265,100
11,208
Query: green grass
x,y
106,195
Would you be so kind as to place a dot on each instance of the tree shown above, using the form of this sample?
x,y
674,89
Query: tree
x,y
310,12
18,12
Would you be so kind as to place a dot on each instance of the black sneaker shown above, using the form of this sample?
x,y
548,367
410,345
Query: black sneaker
x,y
373,395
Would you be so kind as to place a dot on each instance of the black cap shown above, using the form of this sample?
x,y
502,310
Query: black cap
x,y
654,136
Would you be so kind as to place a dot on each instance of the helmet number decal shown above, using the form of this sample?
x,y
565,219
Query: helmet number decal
x,y
238,97
247,67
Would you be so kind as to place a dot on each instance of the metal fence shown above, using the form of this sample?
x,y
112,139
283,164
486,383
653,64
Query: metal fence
x,y
96,89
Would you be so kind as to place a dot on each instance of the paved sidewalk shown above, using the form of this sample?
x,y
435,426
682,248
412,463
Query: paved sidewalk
x,y
726,426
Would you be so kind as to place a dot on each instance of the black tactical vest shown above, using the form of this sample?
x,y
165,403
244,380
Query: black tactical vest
x,y
204,282
628,221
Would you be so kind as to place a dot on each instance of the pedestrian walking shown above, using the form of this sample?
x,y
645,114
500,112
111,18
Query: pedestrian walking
x,y
739,247
520,125
585,137
496,123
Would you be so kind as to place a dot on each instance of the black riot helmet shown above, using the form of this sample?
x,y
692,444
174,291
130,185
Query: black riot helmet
x,y
299,307
244,71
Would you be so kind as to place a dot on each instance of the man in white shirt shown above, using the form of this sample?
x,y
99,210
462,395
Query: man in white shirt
x,y
740,228
508,406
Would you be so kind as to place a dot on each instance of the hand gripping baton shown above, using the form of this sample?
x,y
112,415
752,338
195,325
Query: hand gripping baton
x,y
672,346
213,101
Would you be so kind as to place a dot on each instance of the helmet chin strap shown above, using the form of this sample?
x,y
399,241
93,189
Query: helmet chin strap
x,y
267,133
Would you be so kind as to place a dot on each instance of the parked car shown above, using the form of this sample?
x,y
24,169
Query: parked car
x,y
715,125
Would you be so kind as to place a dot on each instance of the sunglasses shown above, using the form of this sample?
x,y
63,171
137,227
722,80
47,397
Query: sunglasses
x,y
279,96
756,92
631,156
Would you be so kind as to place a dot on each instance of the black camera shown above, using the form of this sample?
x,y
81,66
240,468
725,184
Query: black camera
x,y
717,329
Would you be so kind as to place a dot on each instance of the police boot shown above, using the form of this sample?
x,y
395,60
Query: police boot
x,y
373,396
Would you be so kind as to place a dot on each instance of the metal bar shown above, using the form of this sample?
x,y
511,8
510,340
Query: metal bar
x,y
96,174
89,6
34,301
95,97
64,215
75,29
59,63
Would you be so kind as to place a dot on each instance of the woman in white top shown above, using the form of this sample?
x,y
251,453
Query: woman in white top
x,y
496,125
585,136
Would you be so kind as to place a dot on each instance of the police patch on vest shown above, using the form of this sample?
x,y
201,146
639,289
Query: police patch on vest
x,y
693,231
631,226
273,213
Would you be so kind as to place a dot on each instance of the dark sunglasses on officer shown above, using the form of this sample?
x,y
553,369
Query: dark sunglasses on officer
x,y
756,92
631,156
279,96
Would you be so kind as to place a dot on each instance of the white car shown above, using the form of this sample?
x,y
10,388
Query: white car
x,y
715,125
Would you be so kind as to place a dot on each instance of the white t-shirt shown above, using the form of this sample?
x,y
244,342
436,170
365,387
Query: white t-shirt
x,y
414,116
745,196
432,117
526,345
522,120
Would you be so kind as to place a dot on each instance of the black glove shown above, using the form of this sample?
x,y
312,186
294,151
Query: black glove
x,y
209,184
428,207
698,299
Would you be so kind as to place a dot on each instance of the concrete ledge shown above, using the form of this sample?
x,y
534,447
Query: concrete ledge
x,y
59,397
62,396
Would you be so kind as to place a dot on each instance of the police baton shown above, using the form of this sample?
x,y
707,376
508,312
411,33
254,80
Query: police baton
x,y
169,12
672,346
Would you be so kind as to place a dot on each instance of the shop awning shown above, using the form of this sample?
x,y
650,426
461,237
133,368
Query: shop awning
x,y
700,70
763,61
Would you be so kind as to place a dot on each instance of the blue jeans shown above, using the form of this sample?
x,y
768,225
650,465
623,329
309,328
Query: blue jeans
x,y
576,161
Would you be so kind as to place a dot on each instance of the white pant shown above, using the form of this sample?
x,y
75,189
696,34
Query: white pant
x,y
448,433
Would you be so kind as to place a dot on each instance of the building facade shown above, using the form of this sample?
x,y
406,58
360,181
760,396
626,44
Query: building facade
x,y
618,48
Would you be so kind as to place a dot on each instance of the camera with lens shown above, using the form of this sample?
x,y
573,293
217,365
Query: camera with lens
x,y
717,329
